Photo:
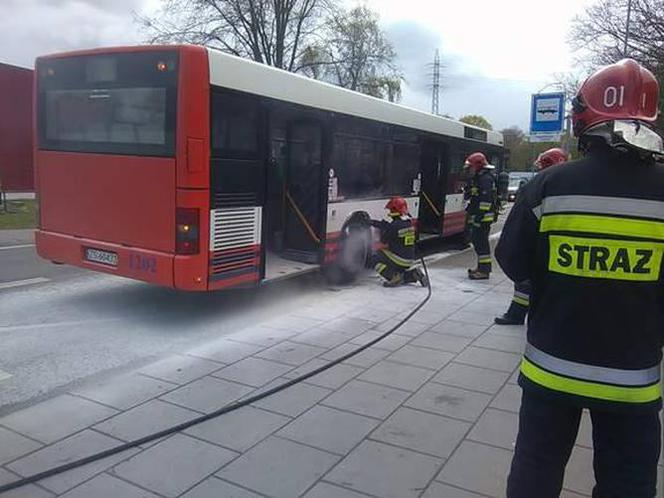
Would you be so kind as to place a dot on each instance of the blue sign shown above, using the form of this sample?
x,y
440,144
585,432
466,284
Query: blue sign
x,y
547,113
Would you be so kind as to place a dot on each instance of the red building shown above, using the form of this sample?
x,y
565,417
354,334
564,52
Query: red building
x,y
16,166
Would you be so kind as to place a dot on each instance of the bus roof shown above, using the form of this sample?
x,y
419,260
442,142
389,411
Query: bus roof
x,y
252,77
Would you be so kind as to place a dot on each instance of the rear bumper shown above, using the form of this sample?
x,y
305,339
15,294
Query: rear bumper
x,y
141,264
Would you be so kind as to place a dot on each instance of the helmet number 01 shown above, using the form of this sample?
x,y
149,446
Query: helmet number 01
x,y
614,96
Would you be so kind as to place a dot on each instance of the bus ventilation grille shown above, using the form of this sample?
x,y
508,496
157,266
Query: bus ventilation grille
x,y
232,228
234,240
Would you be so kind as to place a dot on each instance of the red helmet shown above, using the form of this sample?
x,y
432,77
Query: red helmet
x,y
551,157
397,205
621,91
476,161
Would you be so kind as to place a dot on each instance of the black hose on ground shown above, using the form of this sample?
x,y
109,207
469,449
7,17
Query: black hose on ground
x,y
221,411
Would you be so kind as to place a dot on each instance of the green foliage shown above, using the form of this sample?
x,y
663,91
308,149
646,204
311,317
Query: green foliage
x,y
19,214
475,120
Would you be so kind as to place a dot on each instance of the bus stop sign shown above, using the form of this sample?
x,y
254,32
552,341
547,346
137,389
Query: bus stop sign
x,y
547,114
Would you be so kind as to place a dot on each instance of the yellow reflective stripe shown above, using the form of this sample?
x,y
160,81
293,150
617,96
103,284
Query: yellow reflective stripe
x,y
380,268
485,206
590,389
488,217
605,258
397,260
484,259
521,301
604,225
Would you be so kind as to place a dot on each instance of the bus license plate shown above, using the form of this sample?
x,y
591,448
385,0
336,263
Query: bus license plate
x,y
103,257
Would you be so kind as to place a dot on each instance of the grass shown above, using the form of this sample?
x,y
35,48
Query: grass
x,y
19,214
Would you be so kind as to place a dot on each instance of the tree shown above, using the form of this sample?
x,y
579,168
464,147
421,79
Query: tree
x,y
355,54
274,32
518,149
475,120
513,137
600,32
312,37
521,152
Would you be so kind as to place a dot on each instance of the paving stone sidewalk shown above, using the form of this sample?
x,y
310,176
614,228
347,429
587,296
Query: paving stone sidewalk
x,y
429,412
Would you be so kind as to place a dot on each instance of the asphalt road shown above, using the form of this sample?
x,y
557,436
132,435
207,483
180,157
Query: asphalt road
x,y
19,263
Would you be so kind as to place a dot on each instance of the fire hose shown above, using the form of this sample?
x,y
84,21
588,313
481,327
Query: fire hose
x,y
217,413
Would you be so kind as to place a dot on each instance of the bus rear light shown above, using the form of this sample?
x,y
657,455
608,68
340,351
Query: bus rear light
x,y
187,231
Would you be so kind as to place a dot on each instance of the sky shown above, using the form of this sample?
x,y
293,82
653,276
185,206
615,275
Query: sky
x,y
494,54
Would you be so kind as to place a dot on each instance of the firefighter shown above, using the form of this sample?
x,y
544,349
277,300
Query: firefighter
x,y
589,234
482,211
516,313
395,263
503,182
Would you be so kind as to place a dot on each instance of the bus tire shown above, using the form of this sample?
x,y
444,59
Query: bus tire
x,y
354,255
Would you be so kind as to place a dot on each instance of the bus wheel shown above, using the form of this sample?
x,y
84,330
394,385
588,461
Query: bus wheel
x,y
353,256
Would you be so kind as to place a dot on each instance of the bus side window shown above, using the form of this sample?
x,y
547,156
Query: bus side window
x,y
359,164
404,169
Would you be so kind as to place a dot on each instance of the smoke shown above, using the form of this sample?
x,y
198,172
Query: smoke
x,y
356,247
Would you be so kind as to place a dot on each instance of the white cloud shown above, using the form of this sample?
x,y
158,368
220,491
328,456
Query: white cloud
x,y
495,53
30,28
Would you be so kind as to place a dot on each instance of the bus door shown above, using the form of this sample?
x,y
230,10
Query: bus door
x,y
432,194
304,213
454,219
237,169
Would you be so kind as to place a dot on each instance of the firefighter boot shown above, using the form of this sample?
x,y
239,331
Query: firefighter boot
x,y
395,281
507,319
478,275
515,315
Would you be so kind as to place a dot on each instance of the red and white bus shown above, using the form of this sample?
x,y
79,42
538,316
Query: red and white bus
x,y
189,168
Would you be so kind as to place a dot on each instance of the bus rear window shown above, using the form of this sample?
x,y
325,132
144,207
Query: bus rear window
x,y
115,104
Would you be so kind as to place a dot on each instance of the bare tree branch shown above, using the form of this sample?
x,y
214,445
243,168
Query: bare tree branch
x,y
599,33
314,37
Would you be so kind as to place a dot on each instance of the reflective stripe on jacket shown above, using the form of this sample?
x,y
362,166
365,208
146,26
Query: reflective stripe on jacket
x,y
590,237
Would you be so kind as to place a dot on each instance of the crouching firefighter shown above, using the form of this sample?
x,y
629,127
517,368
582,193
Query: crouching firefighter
x,y
482,212
396,262
516,313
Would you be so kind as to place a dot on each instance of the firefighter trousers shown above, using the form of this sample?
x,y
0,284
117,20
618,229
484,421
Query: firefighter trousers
x,y
388,268
520,300
480,240
626,450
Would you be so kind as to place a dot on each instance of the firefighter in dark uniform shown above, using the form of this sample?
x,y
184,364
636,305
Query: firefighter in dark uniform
x,y
516,313
503,185
482,212
396,262
589,234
